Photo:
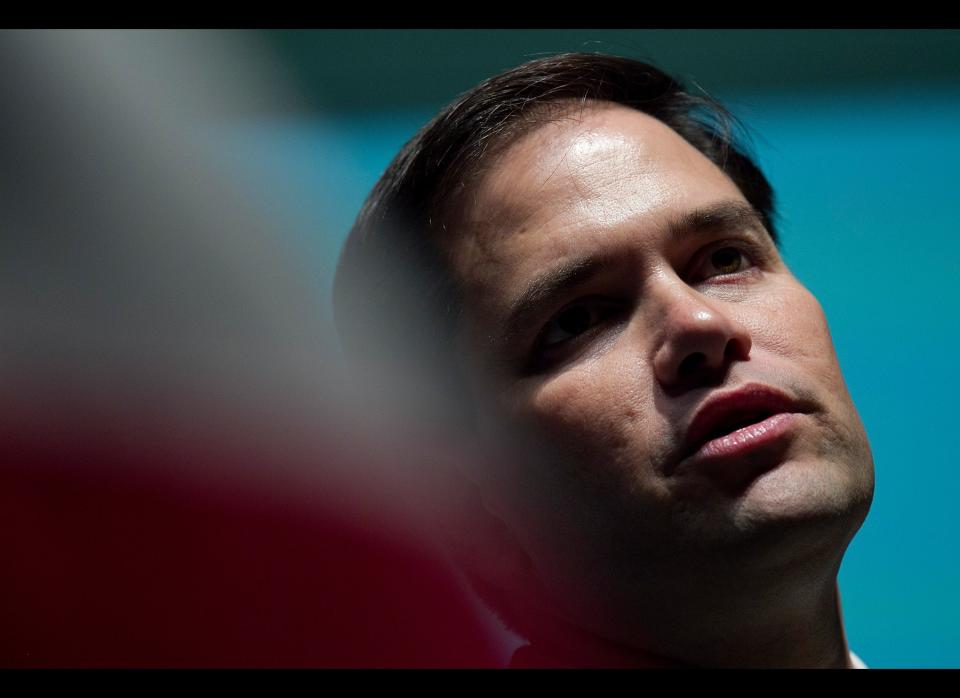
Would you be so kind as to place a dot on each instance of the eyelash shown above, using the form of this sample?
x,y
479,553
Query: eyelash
x,y
545,354
748,250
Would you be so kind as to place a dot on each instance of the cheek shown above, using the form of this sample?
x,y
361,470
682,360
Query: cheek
x,y
790,323
592,417
793,329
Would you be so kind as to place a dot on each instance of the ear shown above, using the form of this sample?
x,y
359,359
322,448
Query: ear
x,y
480,540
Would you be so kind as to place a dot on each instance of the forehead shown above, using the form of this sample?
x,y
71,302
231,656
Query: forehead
x,y
581,182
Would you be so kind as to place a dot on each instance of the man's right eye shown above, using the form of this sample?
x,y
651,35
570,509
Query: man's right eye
x,y
574,321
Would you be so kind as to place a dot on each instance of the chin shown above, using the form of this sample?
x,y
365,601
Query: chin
x,y
812,498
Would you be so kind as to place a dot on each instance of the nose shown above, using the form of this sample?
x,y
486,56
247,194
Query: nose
x,y
700,338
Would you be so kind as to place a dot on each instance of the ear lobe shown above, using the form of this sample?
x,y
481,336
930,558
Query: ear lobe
x,y
483,541
483,544
480,536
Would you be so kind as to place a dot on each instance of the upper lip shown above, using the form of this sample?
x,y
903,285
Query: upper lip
x,y
724,412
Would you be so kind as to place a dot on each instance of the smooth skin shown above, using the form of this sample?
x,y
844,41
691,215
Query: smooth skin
x,y
680,295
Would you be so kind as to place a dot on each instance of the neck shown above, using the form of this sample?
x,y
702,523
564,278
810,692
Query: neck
x,y
771,631
557,644
803,630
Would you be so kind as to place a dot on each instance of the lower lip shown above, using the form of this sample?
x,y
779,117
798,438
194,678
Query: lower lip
x,y
743,442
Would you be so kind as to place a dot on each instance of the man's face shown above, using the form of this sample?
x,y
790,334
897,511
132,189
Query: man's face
x,y
649,289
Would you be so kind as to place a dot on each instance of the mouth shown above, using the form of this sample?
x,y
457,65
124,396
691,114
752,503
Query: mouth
x,y
737,422
737,425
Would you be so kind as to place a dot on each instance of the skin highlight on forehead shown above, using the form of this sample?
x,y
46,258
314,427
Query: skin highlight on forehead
x,y
541,162
586,164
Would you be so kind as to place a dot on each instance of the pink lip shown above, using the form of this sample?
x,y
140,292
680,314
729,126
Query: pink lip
x,y
744,447
746,440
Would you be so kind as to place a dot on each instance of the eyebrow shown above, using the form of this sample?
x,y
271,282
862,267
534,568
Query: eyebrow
x,y
571,274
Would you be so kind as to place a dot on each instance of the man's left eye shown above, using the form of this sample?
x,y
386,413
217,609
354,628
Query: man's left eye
x,y
726,260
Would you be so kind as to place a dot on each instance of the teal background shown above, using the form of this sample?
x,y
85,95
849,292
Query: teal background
x,y
859,132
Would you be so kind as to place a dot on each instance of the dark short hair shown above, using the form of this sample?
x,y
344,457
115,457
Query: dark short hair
x,y
392,278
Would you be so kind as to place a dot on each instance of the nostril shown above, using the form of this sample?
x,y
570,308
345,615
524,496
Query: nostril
x,y
692,363
736,350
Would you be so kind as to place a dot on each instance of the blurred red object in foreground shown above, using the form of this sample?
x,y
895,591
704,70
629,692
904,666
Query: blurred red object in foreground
x,y
120,554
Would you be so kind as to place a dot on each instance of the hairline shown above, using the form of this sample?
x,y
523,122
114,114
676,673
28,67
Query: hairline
x,y
451,208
